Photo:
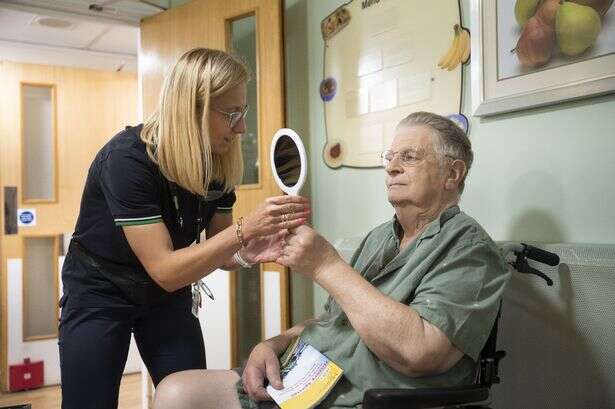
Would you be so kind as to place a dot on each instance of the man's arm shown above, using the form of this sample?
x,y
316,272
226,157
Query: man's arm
x,y
393,331
412,346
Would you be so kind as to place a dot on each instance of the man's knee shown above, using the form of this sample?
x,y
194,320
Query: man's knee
x,y
176,390
196,389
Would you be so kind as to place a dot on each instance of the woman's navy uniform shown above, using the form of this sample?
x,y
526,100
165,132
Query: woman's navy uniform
x,y
108,294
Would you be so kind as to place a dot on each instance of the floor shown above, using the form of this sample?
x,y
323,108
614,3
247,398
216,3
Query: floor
x,y
49,397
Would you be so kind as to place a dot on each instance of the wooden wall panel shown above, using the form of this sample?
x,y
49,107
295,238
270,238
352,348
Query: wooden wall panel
x,y
92,106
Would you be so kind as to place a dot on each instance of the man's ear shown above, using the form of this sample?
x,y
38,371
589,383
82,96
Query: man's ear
x,y
455,175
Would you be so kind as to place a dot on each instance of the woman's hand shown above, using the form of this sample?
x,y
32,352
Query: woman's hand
x,y
275,214
264,249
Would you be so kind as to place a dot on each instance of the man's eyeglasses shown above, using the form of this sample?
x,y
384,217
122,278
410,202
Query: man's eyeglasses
x,y
233,117
408,157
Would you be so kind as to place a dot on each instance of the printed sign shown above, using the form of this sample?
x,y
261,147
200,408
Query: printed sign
x,y
26,217
380,65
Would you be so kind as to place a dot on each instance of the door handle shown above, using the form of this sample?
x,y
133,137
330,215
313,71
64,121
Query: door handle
x,y
10,210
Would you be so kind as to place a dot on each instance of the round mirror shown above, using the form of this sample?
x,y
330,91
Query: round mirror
x,y
288,161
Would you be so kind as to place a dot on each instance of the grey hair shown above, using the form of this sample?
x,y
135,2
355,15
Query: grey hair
x,y
452,140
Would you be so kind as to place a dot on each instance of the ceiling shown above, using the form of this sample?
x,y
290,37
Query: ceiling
x,y
100,34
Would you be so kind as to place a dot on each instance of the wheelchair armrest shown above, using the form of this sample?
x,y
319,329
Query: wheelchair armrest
x,y
423,398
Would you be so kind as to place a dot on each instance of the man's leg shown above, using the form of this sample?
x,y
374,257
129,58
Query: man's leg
x,y
93,345
198,389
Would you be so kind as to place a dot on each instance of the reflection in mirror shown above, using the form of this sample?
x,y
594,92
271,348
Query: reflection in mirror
x,y
287,161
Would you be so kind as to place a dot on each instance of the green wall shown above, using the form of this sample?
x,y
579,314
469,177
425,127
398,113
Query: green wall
x,y
540,175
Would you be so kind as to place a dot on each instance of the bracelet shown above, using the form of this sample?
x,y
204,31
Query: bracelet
x,y
240,260
239,233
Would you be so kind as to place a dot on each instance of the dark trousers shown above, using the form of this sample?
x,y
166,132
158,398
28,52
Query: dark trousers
x,y
94,346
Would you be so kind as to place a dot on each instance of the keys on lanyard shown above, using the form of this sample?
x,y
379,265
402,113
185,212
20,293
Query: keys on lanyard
x,y
198,286
197,299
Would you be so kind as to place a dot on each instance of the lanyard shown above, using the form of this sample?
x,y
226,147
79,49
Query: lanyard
x,y
178,214
198,285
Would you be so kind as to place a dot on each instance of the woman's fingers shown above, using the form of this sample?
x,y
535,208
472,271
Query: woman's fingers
x,y
287,199
292,223
290,208
287,217
276,213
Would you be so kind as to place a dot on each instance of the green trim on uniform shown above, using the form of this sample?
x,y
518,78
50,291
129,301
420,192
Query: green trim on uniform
x,y
138,221
224,210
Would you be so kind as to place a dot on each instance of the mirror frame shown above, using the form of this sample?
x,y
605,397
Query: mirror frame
x,y
294,190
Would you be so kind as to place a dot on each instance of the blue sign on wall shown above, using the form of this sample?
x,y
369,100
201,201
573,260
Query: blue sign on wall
x,y
26,217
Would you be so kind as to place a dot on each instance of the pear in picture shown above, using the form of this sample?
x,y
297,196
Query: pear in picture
x,y
576,28
536,43
524,9
601,6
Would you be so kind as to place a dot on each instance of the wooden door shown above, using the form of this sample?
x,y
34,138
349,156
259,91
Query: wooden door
x,y
249,305
53,120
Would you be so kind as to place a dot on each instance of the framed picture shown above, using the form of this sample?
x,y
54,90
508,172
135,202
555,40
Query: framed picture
x,y
519,64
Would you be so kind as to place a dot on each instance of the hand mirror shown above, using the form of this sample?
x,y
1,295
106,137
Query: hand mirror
x,y
288,161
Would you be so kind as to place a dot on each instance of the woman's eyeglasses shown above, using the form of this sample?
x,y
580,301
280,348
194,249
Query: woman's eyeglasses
x,y
233,117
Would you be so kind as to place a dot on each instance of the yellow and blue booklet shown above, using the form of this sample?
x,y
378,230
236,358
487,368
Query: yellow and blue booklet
x,y
308,377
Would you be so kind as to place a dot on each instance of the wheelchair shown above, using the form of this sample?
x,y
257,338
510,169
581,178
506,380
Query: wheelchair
x,y
476,395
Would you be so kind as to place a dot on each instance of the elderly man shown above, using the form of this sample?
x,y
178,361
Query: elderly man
x,y
413,308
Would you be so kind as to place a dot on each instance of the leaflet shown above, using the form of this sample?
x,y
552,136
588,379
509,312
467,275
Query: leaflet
x,y
308,377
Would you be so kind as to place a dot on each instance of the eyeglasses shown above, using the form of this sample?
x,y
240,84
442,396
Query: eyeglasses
x,y
408,157
235,116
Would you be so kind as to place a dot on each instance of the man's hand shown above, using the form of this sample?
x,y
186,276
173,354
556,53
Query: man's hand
x,y
261,366
308,252
264,249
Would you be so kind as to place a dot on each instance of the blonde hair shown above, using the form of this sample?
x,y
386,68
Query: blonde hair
x,y
177,133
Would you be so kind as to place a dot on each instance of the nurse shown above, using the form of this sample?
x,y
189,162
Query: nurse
x,y
149,193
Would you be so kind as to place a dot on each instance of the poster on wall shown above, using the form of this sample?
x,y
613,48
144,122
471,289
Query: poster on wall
x,y
384,59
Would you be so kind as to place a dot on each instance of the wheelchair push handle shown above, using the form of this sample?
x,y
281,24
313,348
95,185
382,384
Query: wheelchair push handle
x,y
523,251
540,255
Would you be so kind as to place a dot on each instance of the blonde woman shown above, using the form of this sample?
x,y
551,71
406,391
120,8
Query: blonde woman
x,y
149,193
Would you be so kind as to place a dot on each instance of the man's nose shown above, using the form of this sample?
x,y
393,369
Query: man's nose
x,y
394,166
